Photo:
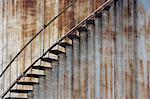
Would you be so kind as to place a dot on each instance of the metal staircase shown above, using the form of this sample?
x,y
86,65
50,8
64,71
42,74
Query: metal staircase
x,y
71,74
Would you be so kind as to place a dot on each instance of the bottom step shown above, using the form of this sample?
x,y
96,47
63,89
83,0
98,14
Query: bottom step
x,y
15,98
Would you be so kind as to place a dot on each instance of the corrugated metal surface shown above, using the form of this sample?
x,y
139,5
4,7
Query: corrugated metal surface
x,y
124,46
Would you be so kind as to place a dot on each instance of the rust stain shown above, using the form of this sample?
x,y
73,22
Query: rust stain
x,y
29,14
97,3
128,30
106,78
29,4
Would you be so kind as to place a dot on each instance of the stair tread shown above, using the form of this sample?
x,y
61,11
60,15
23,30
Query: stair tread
x,y
47,59
20,90
80,29
64,44
108,7
34,75
56,52
73,36
90,21
98,14
26,83
15,98
41,67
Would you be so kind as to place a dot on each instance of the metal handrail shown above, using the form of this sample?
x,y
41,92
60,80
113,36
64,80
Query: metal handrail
x,y
57,42
36,36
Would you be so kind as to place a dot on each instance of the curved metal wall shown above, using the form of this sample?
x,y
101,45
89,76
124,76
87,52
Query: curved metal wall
x,y
125,48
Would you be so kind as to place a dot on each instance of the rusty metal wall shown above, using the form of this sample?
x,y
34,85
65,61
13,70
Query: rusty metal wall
x,y
125,49
22,19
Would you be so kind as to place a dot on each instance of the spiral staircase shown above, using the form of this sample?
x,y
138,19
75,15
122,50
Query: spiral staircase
x,y
71,73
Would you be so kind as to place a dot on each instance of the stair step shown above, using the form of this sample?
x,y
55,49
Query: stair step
x,y
34,75
64,44
80,29
27,83
73,36
15,98
108,7
20,91
49,60
90,21
56,52
41,67
98,14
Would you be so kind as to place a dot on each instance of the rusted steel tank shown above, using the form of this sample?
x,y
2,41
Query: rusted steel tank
x,y
22,19
124,46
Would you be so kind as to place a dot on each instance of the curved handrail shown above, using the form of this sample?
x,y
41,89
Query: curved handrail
x,y
36,36
57,42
